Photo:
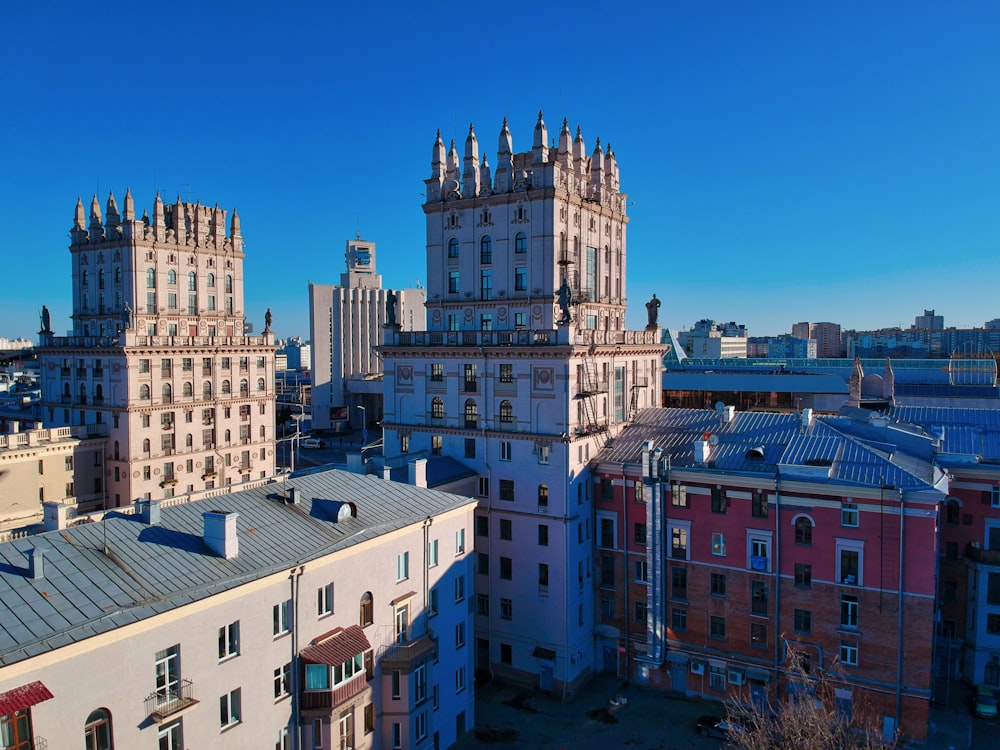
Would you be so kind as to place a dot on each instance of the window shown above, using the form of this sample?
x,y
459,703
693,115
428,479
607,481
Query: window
x,y
678,497
453,248
506,609
678,619
97,731
718,584
369,718
282,681
453,285
402,622
543,575
607,571
543,535
281,616
718,500
486,284
437,409
520,320
717,627
758,504
324,600
485,250
471,414
150,278
171,736
470,452
506,414
432,553
402,566
849,612
678,542
506,568
640,534
460,679
506,373
849,653
952,511
717,678
758,551
802,621
607,606
543,498
506,529
229,640
520,243
803,575
803,530
460,542
719,544
345,726
507,489
437,373
641,572
607,537
229,708
848,514
758,597
758,634
505,446
459,635
459,589
678,582
993,624
849,562
520,279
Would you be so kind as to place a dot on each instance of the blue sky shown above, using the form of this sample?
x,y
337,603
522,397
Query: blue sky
x,y
787,160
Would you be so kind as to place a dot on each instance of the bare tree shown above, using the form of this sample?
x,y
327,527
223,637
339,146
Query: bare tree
x,y
809,718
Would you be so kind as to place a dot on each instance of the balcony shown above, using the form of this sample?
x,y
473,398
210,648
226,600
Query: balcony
x,y
167,703
407,655
323,702
977,554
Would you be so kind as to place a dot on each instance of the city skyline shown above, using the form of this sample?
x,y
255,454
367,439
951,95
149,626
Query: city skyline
x,y
838,160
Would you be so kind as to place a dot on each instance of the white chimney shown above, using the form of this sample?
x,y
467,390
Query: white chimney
x,y
418,472
702,449
55,515
220,533
807,417
727,413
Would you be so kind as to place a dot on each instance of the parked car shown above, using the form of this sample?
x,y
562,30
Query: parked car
x,y
986,702
312,442
715,726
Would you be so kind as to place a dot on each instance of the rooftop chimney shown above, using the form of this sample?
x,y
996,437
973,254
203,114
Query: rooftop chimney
x,y
702,449
220,533
807,417
727,413
55,514
36,564
149,511
418,472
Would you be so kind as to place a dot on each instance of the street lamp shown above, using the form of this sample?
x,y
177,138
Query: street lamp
x,y
364,425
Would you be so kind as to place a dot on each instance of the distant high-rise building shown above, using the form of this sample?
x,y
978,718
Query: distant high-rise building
x,y
826,335
160,351
710,340
345,326
928,321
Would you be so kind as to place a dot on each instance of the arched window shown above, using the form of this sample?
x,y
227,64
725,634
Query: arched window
x,y
228,436
260,384
803,530
144,392
118,274
437,409
171,276
192,281
543,495
206,389
226,387
66,392
97,730
453,248
83,393
506,412
167,393
520,243
117,453
952,511
84,277
229,284
188,390
98,393
189,441
145,446
263,432
211,280
471,414
100,278
151,278
367,609
244,387
486,250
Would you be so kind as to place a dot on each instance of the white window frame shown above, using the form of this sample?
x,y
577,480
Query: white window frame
x,y
505,450
419,684
757,539
324,600
432,553
460,680
543,454
459,589
402,566
853,611
230,708
850,515
229,641
420,727
459,635
849,653
281,618
643,566
460,542
680,525
282,681
401,622
718,544
851,545
612,517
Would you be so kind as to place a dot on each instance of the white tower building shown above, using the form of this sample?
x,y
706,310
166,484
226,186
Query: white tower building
x,y
525,372
160,351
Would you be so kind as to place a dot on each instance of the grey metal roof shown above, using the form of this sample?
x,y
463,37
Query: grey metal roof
x,y
153,569
973,433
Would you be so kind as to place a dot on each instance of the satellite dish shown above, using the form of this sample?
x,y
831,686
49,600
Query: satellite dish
x,y
713,440
719,405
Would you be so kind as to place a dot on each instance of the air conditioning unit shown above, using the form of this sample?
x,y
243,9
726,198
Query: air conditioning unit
x,y
697,667
736,676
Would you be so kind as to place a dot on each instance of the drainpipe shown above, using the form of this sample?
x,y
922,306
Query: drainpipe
x,y
627,579
777,575
899,617
427,530
293,580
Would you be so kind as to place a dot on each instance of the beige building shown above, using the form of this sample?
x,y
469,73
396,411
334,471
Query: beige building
x,y
160,351
826,336
241,622
60,467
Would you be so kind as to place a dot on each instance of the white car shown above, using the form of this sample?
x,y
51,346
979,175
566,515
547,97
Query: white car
x,y
312,443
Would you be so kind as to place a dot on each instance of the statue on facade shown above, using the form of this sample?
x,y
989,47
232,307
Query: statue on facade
x,y
127,317
652,311
267,321
565,300
390,308
46,321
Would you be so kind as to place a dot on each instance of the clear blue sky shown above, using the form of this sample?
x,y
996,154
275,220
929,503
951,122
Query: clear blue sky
x,y
787,160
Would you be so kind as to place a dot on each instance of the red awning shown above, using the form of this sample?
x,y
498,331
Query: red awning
x,y
341,646
23,697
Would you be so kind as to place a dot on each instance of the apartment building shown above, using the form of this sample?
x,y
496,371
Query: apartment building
x,y
242,621
727,540
160,351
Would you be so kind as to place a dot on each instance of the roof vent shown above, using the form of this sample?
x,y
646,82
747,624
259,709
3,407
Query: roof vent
x,y
756,452
807,417
220,533
149,512
36,564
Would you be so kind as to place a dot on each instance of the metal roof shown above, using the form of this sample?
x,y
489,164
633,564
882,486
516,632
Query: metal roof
x,y
337,647
147,569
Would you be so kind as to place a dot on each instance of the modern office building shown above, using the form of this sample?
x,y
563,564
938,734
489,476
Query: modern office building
x,y
242,622
524,373
159,351
716,340
345,327
728,540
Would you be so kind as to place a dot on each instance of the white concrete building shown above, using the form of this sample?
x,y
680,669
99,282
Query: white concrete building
x,y
525,371
242,622
345,327
710,340
159,351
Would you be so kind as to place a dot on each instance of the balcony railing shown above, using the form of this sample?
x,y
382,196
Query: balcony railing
x,y
980,555
322,701
167,702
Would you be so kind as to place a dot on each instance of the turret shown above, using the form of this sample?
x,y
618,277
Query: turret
x,y
565,153
484,176
113,219
235,237
579,153
435,183
96,223
129,213
597,171
470,165
540,146
505,160
159,226
78,233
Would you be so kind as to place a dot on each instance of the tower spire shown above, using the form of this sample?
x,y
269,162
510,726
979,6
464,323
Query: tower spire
x,y
540,146
470,166
78,218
